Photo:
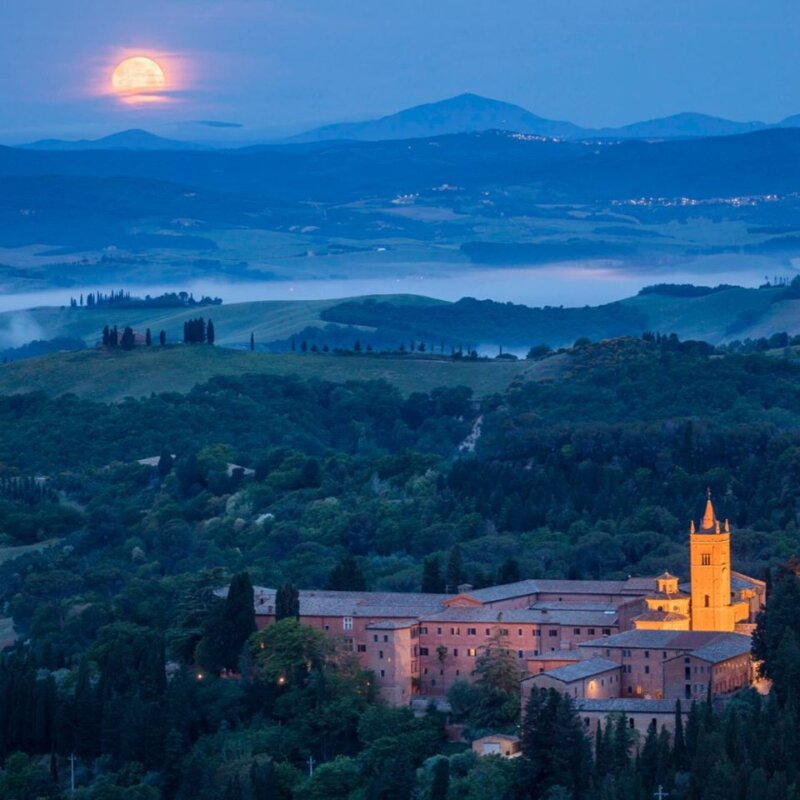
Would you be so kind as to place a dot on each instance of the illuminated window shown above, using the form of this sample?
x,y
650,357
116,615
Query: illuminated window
x,y
347,623
472,652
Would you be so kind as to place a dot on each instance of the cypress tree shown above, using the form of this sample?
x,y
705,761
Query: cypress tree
x,y
454,569
210,334
238,618
679,753
441,779
287,602
148,339
432,580
162,338
252,341
347,576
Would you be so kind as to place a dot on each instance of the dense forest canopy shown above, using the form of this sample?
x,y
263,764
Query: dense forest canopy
x,y
109,567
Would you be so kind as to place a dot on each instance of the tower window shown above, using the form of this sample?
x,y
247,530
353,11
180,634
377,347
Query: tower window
x,y
706,559
707,601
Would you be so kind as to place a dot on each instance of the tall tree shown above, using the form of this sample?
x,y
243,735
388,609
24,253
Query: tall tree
x,y
162,338
347,576
455,569
210,334
432,580
238,618
287,602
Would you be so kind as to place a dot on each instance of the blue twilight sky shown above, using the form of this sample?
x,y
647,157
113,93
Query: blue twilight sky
x,y
277,66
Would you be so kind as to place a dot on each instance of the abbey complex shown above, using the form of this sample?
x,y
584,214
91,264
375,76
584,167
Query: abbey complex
x,y
633,646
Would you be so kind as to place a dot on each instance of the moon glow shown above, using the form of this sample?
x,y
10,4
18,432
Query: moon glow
x,y
138,75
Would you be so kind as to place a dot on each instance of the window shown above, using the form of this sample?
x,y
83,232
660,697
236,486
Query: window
x,y
374,637
347,623
488,632
472,652
576,631
591,631
423,631
664,654
687,673
383,673
705,559
552,633
606,631
647,669
537,632
706,601
385,638
519,631
439,631
348,644
647,654
423,651
327,627
472,632
455,652
433,681
380,653
504,631
362,648
520,653
630,722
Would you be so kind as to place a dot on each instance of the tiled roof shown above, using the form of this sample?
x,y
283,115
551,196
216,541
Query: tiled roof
x,y
676,640
626,705
557,655
355,604
577,605
653,615
392,624
709,645
579,670
505,592
535,616
508,591
722,649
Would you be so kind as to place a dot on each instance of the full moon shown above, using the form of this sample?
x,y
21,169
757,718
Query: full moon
x,y
138,75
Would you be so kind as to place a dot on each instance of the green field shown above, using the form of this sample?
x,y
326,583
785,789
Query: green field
x,y
113,375
268,320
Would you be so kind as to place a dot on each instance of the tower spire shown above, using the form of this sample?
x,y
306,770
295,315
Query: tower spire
x,y
709,518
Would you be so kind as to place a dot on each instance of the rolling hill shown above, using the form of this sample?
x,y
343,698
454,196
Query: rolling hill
x,y
385,322
113,376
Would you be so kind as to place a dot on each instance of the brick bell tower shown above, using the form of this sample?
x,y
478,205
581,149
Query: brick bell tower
x,y
710,561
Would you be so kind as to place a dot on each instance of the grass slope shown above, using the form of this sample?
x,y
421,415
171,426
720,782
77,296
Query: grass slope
x,y
268,320
112,376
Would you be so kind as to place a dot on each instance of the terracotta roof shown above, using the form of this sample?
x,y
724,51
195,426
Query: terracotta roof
x,y
652,615
579,670
558,655
508,591
724,648
512,616
675,640
712,644
392,624
355,604
629,705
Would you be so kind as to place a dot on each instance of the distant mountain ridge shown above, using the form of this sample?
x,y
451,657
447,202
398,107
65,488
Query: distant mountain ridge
x,y
464,113
469,113
133,139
